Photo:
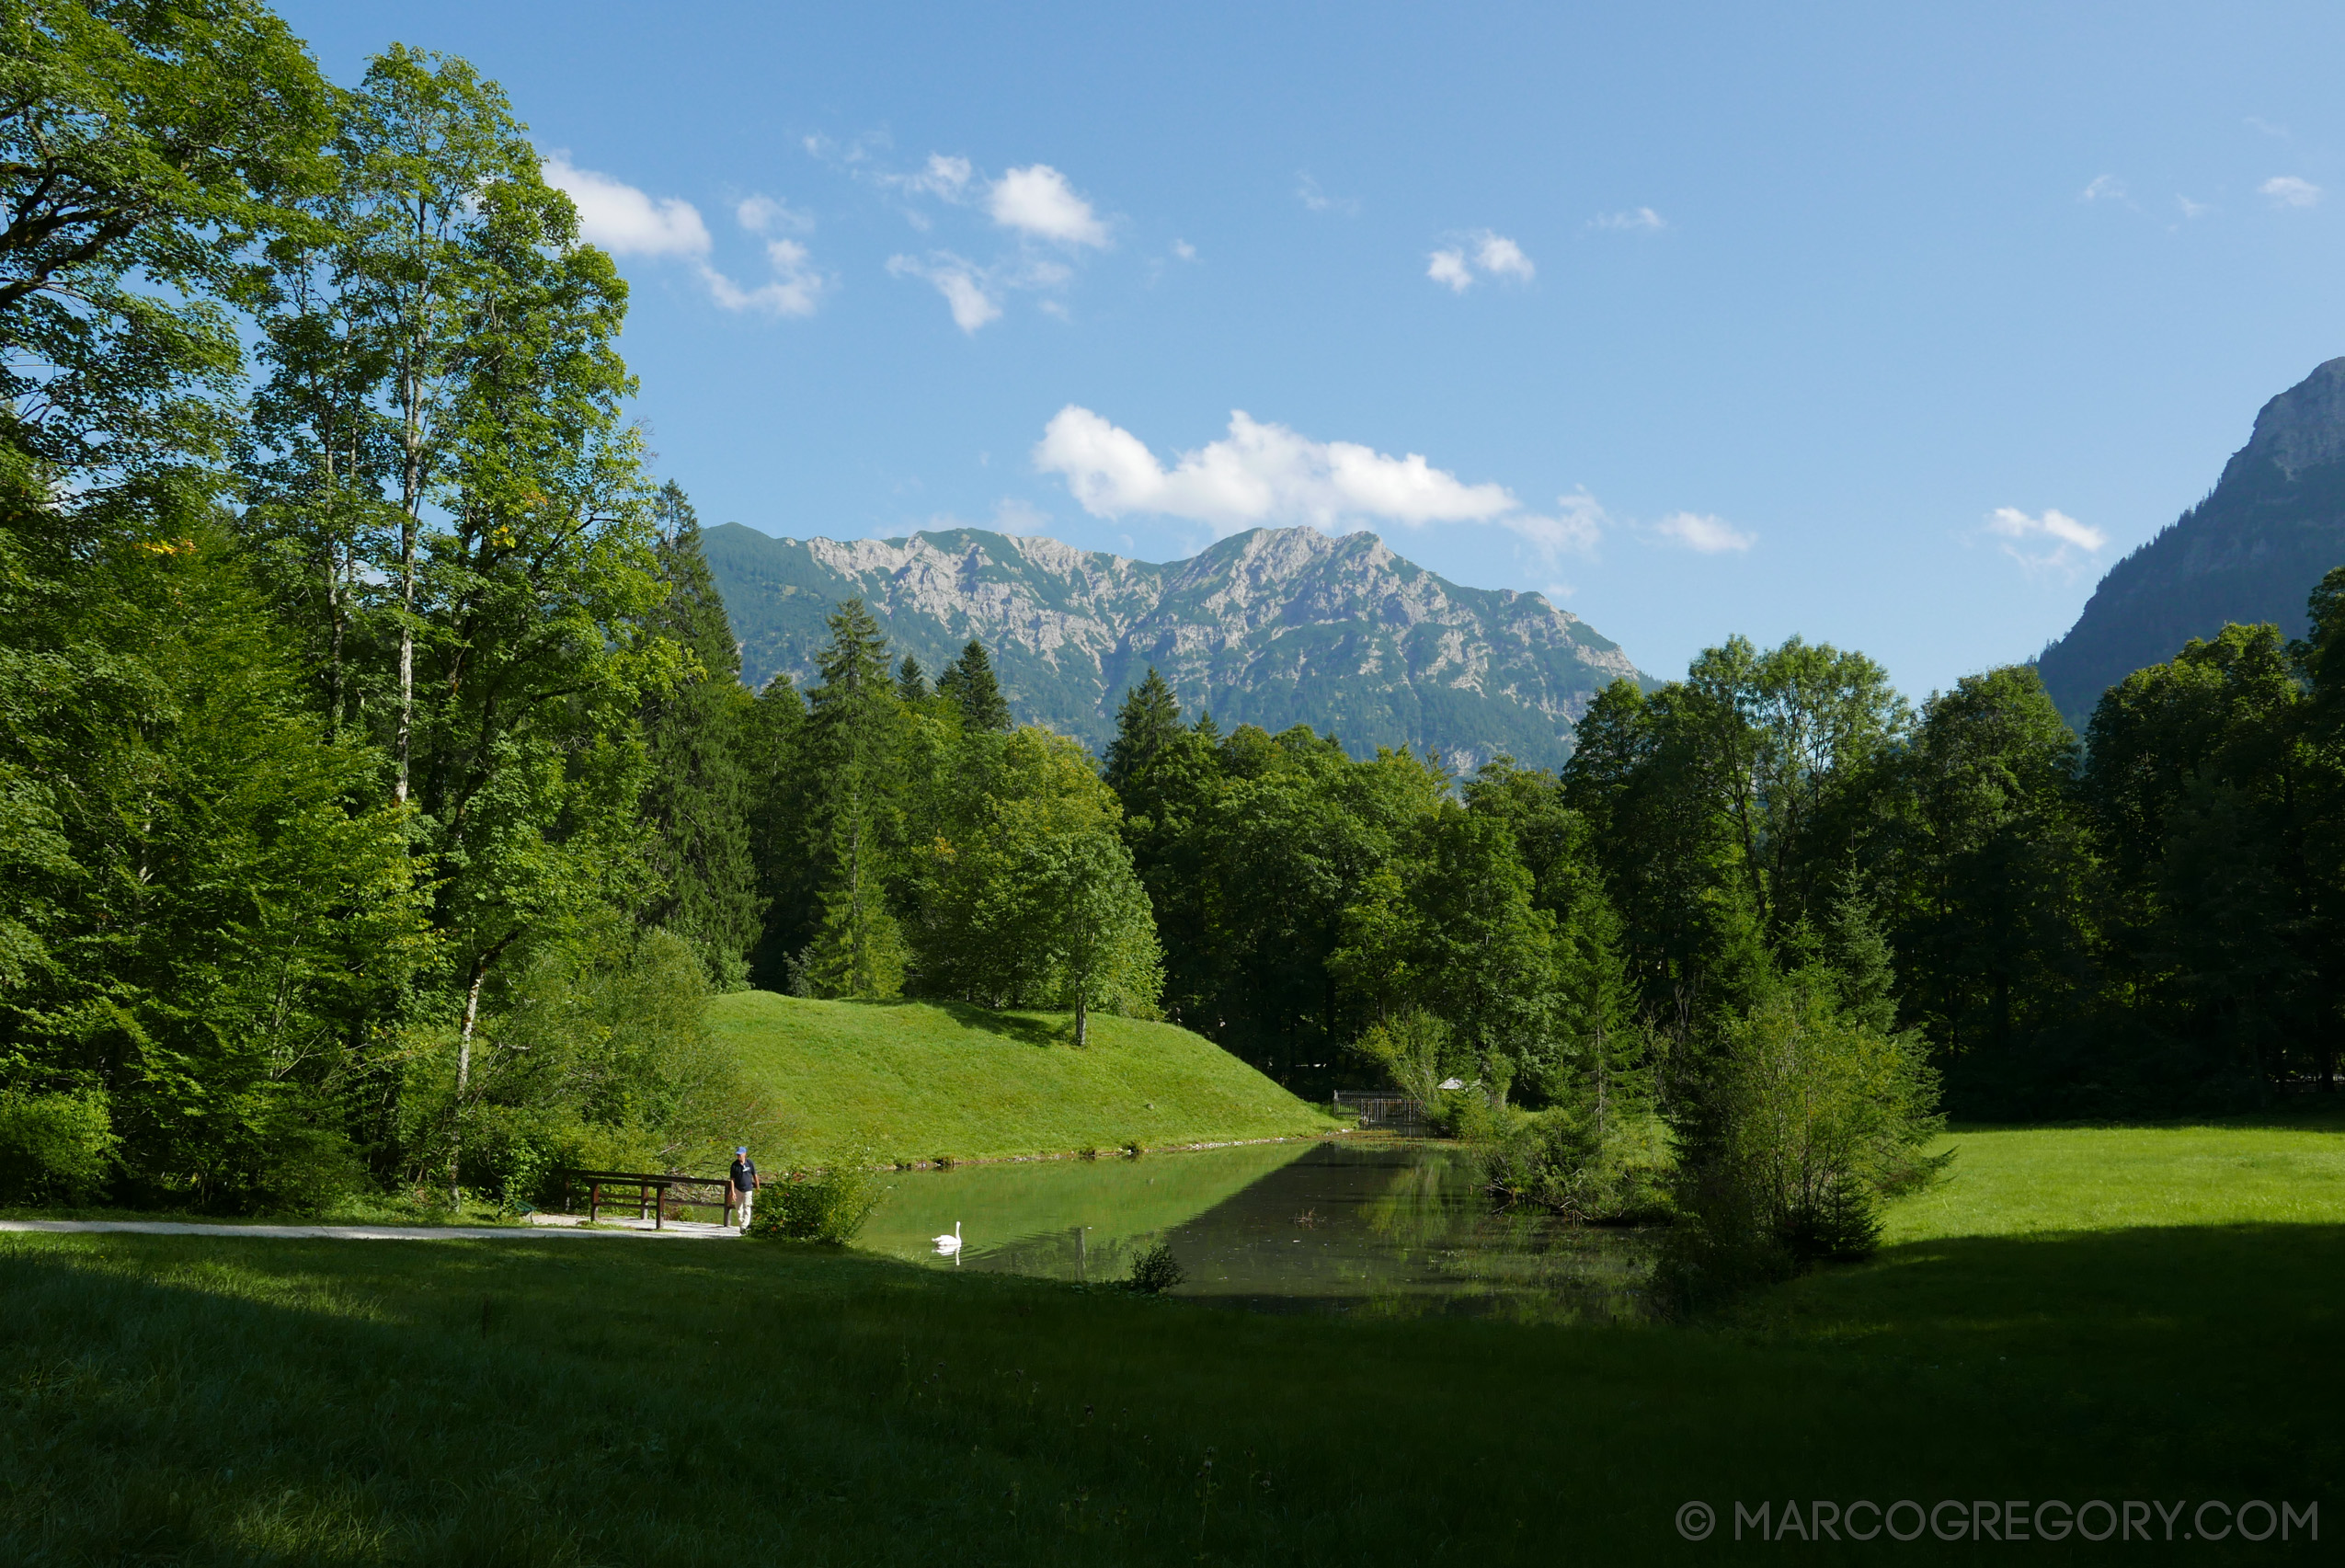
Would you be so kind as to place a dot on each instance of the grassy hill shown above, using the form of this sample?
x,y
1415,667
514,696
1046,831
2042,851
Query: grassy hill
x,y
916,1081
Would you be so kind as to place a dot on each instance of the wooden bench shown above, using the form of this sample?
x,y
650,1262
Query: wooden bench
x,y
655,1192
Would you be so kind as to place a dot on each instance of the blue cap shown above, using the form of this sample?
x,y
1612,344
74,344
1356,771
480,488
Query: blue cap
x,y
744,1148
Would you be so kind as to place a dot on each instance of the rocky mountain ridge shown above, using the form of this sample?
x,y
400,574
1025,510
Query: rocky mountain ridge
x,y
2252,550
1273,627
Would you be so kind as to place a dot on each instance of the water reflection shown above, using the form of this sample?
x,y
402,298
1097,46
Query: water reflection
x,y
1393,1226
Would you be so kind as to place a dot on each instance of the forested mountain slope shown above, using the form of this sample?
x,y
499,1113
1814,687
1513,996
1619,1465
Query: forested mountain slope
x,y
1273,627
2250,552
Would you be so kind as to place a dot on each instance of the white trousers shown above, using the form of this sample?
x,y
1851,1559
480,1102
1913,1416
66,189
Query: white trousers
x,y
743,1202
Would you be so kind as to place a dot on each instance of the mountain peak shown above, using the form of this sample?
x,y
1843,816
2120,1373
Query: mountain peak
x,y
2303,427
2251,552
1273,626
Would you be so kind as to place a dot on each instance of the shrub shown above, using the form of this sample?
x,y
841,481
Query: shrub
x,y
1155,1271
307,1165
1588,1172
1413,1049
818,1205
1131,1149
55,1148
1808,1121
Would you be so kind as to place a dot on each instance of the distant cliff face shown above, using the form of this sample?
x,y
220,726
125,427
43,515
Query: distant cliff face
x,y
2252,550
1273,627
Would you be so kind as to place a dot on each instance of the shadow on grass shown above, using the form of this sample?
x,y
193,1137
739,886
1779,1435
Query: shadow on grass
x,y
2257,1298
181,1400
1023,1027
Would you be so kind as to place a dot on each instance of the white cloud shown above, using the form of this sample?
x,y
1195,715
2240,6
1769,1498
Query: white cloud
x,y
942,177
1501,257
795,288
1577,526
625,222
2287,190
1184,250
2192,208
1315,200
1258,474
1037,200
977,295
763,214
1493,253
1014,516
2257,122
2104,187
623,219
2054,542
965,289
1636,220
853,153
1703,534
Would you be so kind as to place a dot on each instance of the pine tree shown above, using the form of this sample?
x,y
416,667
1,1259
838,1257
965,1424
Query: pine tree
x,y
1148,723
1606,1077
1167,775
852,745
1860,959
911,683
781,809
968,681
697,799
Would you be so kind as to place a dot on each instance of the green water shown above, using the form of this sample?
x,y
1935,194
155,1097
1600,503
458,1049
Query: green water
x,y
1393,1226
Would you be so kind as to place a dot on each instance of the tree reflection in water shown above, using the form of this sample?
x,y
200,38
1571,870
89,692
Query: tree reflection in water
x,y
1381,1228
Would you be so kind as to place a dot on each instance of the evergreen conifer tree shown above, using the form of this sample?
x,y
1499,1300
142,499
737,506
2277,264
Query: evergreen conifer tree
x,y
1167,774
912,682
696,800
1607,1081
1148,723
852,745
781,807
969,682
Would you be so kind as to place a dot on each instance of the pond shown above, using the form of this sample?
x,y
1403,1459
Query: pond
x,y
1385,1226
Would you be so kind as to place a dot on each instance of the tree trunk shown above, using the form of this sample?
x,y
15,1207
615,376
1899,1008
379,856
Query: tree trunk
x,y
410,506
334,643
1082,1018
464,1053
465,1069
858,982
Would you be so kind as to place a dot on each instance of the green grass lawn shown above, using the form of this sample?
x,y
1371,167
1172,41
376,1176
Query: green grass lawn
x,y
2011,1182
914,1080
560,1401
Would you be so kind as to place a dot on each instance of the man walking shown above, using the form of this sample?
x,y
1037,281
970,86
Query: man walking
x,y
744,1180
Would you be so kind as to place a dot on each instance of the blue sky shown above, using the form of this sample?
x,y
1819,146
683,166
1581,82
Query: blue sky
x,y
1892,326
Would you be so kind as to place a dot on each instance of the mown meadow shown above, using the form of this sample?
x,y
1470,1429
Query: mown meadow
x,y
567,1401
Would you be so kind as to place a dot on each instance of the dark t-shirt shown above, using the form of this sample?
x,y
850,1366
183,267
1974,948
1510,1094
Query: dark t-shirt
x,y
744,1175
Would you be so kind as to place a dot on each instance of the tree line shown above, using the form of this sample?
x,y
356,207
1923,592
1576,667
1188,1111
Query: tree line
x,y
347,651
382,802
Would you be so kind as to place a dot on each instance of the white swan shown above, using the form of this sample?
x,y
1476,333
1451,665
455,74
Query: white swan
x,y
950,1246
